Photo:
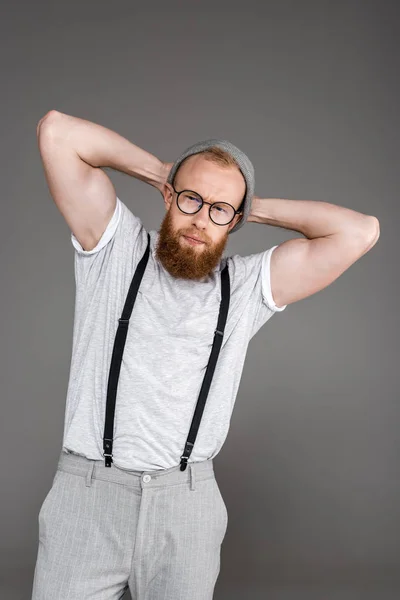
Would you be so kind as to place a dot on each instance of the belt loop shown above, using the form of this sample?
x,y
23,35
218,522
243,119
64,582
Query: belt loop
x,y
192,479
89,474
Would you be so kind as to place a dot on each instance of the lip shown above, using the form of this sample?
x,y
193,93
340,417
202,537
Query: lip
x,y
194,239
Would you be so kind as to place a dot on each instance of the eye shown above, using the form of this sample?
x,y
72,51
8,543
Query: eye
x,y
220,209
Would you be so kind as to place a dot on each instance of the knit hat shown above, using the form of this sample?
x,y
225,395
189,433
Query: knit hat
x,y
243,162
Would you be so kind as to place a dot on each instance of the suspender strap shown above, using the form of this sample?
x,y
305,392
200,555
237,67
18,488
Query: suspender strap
x,y
116,359
218,336
118,349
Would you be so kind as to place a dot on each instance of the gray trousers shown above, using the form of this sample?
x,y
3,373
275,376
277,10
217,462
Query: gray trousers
x,y
103,529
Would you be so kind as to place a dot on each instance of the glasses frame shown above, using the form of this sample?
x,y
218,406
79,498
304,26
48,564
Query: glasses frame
x,y
236,212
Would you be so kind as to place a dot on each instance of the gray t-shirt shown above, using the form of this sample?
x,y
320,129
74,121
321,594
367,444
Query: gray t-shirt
x,y
168,345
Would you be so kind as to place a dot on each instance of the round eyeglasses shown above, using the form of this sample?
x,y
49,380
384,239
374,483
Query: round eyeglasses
x,y
221,213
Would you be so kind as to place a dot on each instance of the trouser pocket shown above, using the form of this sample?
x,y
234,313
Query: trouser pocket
x,y
222,504
45,504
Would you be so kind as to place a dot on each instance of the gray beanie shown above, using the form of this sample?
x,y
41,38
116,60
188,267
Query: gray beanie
x,y
243,161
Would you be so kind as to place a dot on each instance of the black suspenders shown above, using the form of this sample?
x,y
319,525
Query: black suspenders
x,y
119,344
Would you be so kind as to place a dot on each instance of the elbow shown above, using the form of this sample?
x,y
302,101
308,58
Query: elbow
x,y
372,231
376,228
50,117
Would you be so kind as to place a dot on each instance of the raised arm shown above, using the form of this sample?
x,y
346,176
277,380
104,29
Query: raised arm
x,y
73,151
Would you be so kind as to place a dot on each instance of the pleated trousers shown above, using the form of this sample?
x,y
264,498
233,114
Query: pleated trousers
x,y
102,530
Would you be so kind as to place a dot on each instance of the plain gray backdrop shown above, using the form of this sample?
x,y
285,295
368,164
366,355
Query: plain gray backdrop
x,y
310,91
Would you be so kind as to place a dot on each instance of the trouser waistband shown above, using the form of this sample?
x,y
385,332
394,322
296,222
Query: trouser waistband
x,y
96,469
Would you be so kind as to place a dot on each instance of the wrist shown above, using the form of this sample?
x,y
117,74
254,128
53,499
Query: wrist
x,y
253,209
167,166
164,170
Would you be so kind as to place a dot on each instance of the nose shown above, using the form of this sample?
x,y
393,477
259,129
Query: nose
x,y
202,217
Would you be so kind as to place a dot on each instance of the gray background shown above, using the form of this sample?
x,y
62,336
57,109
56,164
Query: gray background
x,y
310,90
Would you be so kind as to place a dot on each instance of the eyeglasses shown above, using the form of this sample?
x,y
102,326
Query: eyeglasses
x,y
221,213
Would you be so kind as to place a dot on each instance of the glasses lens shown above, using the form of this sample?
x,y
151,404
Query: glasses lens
x,y
221,212
189,202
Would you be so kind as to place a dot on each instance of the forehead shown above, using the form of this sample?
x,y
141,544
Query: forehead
x,y
210,179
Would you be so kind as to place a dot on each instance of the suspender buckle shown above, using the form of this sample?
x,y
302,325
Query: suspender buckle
x,y
219,332
124,322
186,453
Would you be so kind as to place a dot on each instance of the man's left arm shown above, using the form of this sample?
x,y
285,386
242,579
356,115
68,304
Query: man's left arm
x,y
336,238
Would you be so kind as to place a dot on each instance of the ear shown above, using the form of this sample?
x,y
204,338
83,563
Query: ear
x,y
235,220
168,194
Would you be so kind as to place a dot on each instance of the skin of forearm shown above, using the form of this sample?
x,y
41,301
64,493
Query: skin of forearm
x,y
312,218
102,147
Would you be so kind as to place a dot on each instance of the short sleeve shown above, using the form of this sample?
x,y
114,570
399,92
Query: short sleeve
x,y
252,302
264,306
122,240
266,281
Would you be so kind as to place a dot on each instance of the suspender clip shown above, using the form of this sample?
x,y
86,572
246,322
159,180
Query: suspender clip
x,y
184,461
107,455
186,453
108,459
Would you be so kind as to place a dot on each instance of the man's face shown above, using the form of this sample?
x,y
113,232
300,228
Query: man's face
x,y
214,184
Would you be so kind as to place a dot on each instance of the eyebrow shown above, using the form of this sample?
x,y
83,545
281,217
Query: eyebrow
x,y
194,191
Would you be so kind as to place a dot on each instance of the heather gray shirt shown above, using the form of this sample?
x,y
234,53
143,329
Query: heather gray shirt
x,y
168,345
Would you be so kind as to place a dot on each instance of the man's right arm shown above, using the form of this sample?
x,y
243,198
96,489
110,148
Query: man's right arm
x,y
73,151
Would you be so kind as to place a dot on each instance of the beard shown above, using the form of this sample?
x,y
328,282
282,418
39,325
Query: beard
x,y
183,260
